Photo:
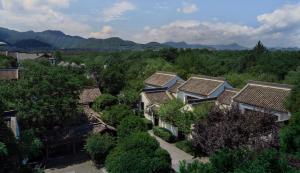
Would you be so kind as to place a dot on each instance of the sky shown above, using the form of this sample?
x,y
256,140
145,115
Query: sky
x,y
275,22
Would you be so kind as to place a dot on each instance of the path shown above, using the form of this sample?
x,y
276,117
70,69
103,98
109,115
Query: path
x,y
176,154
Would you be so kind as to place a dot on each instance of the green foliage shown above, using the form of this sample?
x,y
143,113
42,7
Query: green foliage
x,y
138,153
259,48
98,146
3,149
129,125
186,146
104,101
9,150
147,123
129,97
293,101
289,136
170,110
8,62
293,77
195,167
240,161
116,113
201,111
164,134
31,145
45,96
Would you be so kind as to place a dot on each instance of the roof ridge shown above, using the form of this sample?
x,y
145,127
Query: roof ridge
x,y
270,84
221,79
166,72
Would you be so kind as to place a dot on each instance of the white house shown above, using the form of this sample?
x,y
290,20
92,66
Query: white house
x,y
161,79
264,97
151,102
200,87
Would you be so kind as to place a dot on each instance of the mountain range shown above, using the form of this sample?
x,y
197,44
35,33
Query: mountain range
x,y
51,40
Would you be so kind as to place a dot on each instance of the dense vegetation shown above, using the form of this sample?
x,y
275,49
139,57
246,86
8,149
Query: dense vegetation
x,y
46,97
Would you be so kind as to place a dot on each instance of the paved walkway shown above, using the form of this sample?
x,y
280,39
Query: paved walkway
x,y
176,154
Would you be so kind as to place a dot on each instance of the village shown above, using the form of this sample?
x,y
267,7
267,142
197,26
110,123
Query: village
x,y
175,111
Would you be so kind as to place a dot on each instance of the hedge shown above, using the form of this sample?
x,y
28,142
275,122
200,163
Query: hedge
x,y
185,146
164,134
147,123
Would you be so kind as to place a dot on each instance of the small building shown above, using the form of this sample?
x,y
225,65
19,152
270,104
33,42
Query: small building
x,y
9,74
200,87
264,97
89,95
161,79
174,89
224,101
152,99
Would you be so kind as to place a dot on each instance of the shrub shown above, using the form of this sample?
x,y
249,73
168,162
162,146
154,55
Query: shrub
x,y
104,101
186,146
138,153
116,113
164,134
147,123
129,125
98,146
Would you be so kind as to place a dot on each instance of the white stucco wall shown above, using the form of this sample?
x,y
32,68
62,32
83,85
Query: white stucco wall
x,y
282,116
173,129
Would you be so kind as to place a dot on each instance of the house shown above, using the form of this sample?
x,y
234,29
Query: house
x,y
264,97
199,87
161,79
9,74
152,99
89,95
21,56
224,101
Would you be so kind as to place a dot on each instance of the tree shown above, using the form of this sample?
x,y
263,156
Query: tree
x,y
129,125
10,157
104,101
30,144
170,110
259,48
98,146
240,161
116,113
233,129
138,153
129,97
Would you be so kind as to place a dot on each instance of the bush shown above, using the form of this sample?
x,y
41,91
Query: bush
x,y
138,153
104,101
116,113
98,146
147,123
164,134
186,146
129,125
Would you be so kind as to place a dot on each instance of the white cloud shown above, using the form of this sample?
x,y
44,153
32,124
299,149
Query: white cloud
x,y
105,32
40,15
117,10
279,28
188,8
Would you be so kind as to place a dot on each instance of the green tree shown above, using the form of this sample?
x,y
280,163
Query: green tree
x,y
105,101
116,113
129,125
259,48
138,153
170,110
98,146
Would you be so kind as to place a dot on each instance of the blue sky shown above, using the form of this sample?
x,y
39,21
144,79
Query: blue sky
x,y
275,22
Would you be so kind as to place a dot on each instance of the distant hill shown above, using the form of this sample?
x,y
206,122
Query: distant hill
x,y
58,40
50,40
233,46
